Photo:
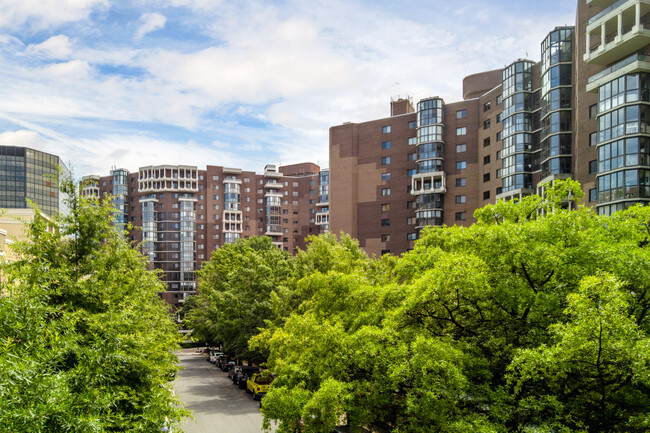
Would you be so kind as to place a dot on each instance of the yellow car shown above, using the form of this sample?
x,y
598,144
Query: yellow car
x,y
258,384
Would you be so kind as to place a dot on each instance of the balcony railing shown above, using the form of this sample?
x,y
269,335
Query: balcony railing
x,y
605,11
623,63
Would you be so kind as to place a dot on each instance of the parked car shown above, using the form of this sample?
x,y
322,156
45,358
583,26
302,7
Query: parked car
x,y
226,366
210,354
242,375
233,371
221,361
258,384
215,356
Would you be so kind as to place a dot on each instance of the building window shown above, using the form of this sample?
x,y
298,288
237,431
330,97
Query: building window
x,y
385,222
487,106
385,191
499,190
411,236
498,173
413,124
486,195
593,194
499,118
461,199
499,99
410,204
385,207
486,124
486,159
410,221
385,145
486,177
593,139
499,136
413,141
460,216
461,131
385,129
486,142
411,172
461,114
385,160
461,181
461,165
460,148
411,157
593,166
385,238
385,176
498,155
593,111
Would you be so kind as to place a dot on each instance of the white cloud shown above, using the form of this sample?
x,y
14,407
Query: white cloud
x,y
23,138
43,14
150,22
56,47
70,71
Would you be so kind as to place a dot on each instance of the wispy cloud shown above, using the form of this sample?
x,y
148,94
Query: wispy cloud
x,y
45,14
56,47
150,22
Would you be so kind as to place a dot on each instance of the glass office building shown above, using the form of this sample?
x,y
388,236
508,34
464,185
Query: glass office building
x,y
31,175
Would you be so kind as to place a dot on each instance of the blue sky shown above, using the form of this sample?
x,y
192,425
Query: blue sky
x,y
105,83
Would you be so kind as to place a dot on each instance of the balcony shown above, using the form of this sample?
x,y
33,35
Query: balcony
x,y
599,3
429,183
271,170
270,184
630,65
618,31
273,230
322,218
273,193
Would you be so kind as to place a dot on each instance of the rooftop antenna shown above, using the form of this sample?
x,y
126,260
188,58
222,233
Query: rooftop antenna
x,y
391,105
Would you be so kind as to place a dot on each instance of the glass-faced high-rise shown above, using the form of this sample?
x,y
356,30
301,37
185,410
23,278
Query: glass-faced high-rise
x,y
556,111
28,174
617,38
518,129
428,184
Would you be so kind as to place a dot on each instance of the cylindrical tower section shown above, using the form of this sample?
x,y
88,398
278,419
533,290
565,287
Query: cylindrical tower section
x,y
518,108
428,185
555,136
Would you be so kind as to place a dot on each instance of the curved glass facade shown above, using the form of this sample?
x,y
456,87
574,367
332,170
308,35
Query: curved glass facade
x,y
623,142
517,118
120,197
430,148
555,116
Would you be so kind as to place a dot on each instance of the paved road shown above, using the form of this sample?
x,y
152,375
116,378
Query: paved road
x,y
217,404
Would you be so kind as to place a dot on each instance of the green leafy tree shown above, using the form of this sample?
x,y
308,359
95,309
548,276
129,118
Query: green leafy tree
x,y
595,374
235,288
454,335
85,342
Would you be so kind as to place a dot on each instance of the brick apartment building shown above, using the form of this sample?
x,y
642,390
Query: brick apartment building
x,y
580,112
180,214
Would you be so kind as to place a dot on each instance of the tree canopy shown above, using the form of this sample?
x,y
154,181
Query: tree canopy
x,y
533,319
85,342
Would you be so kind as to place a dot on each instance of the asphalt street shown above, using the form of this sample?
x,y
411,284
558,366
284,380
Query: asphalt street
x,y
218,406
